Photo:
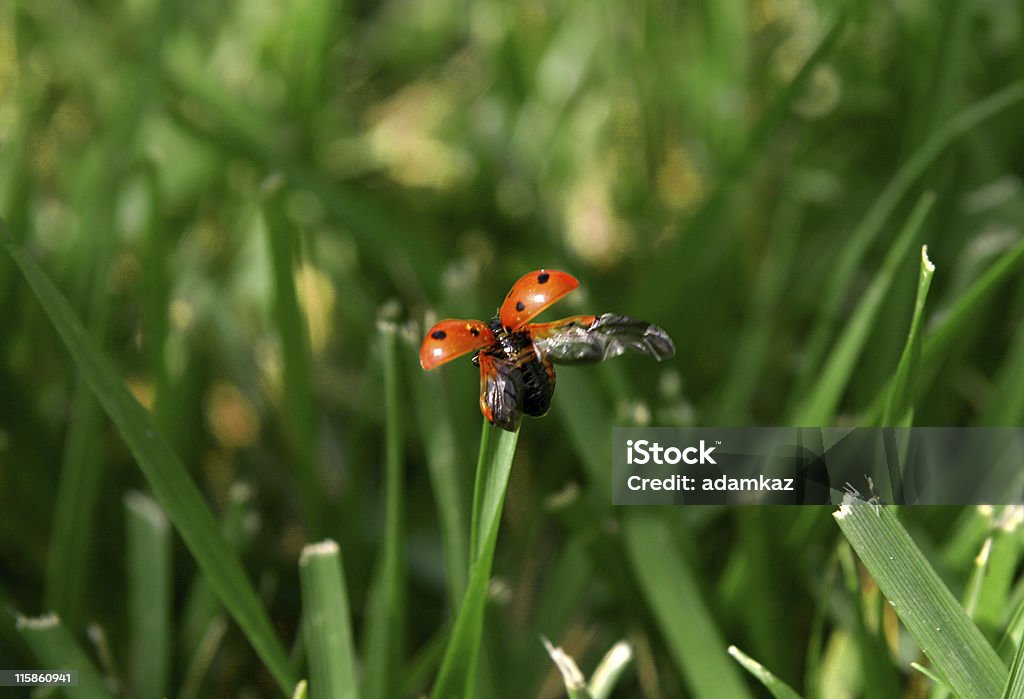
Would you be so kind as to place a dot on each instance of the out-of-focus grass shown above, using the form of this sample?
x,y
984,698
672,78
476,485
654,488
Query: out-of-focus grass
x,y
232,194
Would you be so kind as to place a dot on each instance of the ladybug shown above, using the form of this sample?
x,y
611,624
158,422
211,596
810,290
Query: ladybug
x,y
517,358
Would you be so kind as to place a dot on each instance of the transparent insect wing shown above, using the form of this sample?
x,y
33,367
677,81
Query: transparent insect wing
x,y
453,338
532,294
589,339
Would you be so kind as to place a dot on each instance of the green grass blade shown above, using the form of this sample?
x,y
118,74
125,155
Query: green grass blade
x,y
670,588
74,514
56,650
386,605
609,670
955,646
574,681
899,408
860,240
778,688
820,406
438,433
174,488
149,595
456,677
970,303
966,307
203,606
1015,682
325,623
299,414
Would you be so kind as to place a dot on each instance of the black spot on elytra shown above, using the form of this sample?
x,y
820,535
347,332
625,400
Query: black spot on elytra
x,y
543,277
520,305
439,334
474,332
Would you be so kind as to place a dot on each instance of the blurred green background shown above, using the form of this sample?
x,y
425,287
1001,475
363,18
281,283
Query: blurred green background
x,y
190,174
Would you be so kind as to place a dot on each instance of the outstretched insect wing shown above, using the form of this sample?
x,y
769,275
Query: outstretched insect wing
x,y
589,339
532,294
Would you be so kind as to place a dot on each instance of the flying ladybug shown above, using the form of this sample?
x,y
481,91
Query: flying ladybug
x,y
517,358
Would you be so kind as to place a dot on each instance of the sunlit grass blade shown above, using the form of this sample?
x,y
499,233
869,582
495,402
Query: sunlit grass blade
x,y
298,412
609,670
778,688
820,406
386,606
574,681
174,488
56,650
149,595
670,589
457,675
899,408
951,641
438,433
859,241
326,622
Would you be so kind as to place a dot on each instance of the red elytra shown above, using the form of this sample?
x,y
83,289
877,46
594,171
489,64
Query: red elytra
x,y
516,357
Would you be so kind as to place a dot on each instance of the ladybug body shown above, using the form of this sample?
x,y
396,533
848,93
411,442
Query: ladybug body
x,y
516,358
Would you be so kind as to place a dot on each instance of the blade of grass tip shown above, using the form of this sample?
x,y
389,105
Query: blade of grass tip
x,y
301,690
174,488
610,669
969,303
899,408
456,678
574,681
1015,682
149,595
967,306
820,406
955,646
56,650
299,413
386,602
438,432
778,688
874,220
672,593
325,622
